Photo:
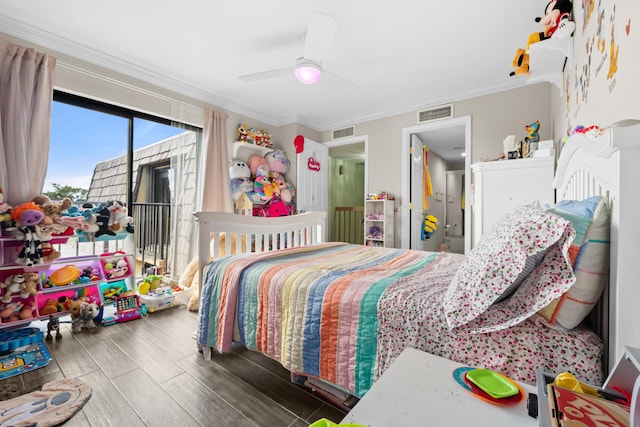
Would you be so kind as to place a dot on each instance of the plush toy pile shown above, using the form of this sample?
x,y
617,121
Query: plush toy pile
x,y
263,180
557,23
41,220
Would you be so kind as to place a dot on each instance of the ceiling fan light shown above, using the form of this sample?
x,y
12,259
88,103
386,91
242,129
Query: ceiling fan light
x,y
307,72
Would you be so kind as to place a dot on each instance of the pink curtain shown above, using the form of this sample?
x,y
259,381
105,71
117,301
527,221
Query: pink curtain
x,y
216,185
26,94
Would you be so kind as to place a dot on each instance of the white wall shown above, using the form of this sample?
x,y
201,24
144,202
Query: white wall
x,y
590,95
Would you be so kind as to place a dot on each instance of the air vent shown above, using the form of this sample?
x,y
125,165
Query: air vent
x,y
437,113
344,132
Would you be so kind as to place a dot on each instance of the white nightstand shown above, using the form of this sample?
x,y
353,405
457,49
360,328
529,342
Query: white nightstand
x,y
419,389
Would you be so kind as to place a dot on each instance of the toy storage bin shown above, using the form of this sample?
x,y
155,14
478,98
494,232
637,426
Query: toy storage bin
x,y
70,272
59,297
115,266
156,302
18,310
110,290
9,288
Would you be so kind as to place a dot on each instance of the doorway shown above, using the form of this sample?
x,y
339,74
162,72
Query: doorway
x,y
348,178
446,140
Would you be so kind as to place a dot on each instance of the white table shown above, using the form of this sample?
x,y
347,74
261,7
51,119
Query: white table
x,y
419,389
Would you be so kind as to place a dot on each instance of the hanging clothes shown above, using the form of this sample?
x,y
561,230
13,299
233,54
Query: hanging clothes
x,y
427,189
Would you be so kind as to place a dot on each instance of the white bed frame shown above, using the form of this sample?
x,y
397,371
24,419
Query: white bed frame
x,y
587,166
261,233
609,164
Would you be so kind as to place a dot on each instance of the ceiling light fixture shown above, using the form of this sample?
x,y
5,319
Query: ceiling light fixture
x,y
307,71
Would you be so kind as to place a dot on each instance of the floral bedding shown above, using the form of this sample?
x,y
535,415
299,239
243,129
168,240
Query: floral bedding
x,y
413,315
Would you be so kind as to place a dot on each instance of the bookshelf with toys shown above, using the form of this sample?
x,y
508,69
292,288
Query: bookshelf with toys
x,y
379,220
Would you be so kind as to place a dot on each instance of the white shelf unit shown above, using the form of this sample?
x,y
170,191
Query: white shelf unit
x,y
505,184
379,213
547,60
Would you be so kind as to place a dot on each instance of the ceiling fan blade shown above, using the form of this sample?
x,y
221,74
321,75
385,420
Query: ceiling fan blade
x,y
320,34
264,75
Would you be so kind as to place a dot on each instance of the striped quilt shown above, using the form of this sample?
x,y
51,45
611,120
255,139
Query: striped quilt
x,y
312,308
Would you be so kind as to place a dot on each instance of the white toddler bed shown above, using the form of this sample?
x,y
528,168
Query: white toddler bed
x,y
607,164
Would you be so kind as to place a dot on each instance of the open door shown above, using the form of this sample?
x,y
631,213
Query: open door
x,y
312,189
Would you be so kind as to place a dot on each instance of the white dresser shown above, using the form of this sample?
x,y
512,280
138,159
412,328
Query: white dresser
x,y
503,185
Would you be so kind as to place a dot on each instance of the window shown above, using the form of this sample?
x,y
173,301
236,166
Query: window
x,y
101,152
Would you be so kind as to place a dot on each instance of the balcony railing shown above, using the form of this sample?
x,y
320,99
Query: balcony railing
x,y
152,235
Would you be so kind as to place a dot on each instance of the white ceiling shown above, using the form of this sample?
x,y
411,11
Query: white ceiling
x,y
386,57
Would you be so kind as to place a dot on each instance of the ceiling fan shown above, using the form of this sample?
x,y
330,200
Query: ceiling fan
x,y
308,68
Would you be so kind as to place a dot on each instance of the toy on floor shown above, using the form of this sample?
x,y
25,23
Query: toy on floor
x,y
22,350
53,326
127,308
82,315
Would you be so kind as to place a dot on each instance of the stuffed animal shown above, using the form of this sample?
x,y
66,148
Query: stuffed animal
x,y
520,63
102,221
87,311
532,132
12,285
254,162
27,216
30,285
262,184
430,226
239,169
118,216
277,161
242,133
558,19
239,186
51,209
557,23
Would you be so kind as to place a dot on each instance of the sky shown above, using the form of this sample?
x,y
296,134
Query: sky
x,y
81,138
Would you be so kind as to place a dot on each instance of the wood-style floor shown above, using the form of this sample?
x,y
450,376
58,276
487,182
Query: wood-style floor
x,y
148,372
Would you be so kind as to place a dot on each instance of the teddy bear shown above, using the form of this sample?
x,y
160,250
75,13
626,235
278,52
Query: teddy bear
x,y
30,285
52,210
87,311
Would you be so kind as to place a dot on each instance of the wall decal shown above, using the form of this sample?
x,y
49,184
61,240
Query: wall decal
x,y
313,164
614,49
627,27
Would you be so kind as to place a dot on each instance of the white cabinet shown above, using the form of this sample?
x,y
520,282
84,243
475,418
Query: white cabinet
x,y
379,223
503,185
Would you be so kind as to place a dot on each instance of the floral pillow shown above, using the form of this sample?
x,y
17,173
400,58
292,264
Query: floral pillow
x,y
501,255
